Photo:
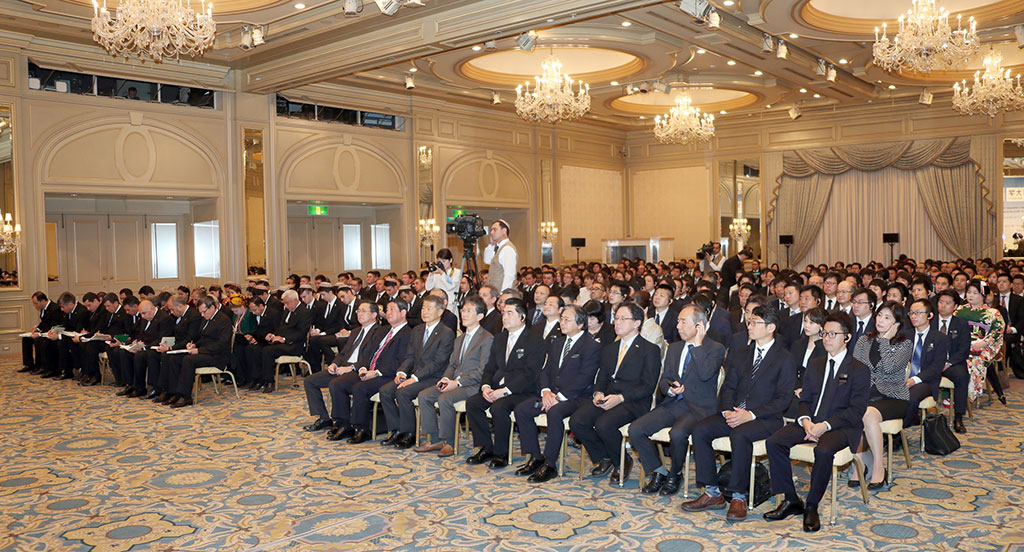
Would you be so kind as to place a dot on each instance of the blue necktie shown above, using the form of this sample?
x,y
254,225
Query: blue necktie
x,y
753,373
915,361
685,366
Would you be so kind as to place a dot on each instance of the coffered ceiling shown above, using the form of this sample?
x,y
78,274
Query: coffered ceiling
x,y
465,51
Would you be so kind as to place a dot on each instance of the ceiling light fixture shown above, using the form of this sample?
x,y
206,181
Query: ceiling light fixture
x,y
993,91
684,124
843,61
527,41
410,82
614,83
701,51
413,69
817,95
803,90
767,43
495,97
626,23
925,98
820,68
794,112
925,41
892,87
300,6
782,51
153,29
353,8
491,45
728,3
552,99
476,48
730,62
758,73
713,19
831,74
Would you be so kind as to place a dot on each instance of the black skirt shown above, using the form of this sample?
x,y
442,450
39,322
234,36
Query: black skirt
x,y
890,409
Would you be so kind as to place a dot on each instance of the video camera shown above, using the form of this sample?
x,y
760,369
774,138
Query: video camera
x,y
705,250
469,228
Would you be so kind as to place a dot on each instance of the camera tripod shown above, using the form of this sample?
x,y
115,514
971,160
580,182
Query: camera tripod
x,y
469,257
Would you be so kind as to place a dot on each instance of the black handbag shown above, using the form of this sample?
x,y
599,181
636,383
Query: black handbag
x,y
938,438
762,483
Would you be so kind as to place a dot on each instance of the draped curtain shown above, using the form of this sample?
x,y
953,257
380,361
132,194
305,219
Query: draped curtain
x,y
946,171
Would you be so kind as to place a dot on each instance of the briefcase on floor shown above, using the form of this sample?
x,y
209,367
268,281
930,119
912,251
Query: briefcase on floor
x,y
762,483
938,438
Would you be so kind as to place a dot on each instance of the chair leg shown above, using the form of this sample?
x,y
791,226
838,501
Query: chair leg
x,y
417,430
233,383
753,469
216,389
888,461
835,500
860,469
511,441
195,388
458,430
563,452
295,379
923,414
686,473
373,422
906,447
581,461
622,462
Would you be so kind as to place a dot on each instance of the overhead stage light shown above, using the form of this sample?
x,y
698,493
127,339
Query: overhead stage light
x,y
925,98
782,51
794,113
495,97
410,82
527,41
353,8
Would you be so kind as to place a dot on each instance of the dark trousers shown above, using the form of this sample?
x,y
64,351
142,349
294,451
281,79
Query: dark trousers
x,y
238,364
91,357
741,438
143,363
399,411
781,470
598,429
50,359
31,351
918,393
120,364
268,370
362,407
961,382
314,394
185,374
318,349
501,417
671,413
529,440
66,358
254,362
170,365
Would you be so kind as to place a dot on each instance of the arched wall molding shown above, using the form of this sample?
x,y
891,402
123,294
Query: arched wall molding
x,y
346,155
489,161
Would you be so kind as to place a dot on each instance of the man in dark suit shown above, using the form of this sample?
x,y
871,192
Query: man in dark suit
x,y
288,339
510,377
689,385
1011,306
35,347
959,334
156,325
863,309
566,381
736,320
327,321
833,398
757,390
548,328
663,313
211,348
119,359
370,291
267,320
931,349
430,348
535,314
76,317
93,322
358,346
112,322
623,392
492,320
460,381
730,270
407,294
380,368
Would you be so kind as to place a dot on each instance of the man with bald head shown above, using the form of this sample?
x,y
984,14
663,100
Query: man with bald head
x,y
844,296
154,325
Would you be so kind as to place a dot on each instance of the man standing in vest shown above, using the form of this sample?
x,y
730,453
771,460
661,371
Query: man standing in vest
x,y
502,257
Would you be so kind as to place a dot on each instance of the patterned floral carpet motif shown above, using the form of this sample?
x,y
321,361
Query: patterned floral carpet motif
x,y
85,470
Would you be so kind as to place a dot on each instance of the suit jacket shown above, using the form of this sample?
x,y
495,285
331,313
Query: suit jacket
x,y
1014,315
798,349
857,335
348,319
637,377
428,360
522,369
215,338
116,323
700,381
415,308
770,394
492,322
294,327
95,320
449,319
330,322
391,355
934,352
791,330
605,335
160,327
735,317
574,379
668,323
534,317
470,368
368,344
50,316
266,323
959,334
186,328
845,399
538,330
720,321
78,319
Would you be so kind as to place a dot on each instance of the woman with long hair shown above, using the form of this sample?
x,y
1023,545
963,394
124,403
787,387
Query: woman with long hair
x,y
987,327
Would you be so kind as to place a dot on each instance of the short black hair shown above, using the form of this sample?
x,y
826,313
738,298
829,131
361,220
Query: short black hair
x,y
769,314
841,318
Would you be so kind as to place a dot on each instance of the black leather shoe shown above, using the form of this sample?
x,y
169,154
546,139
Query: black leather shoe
x,y
358,437
36,371
880,484
66,376
48,375
25,369
498,462
391,440
169,400
785,510
89,381
545,473
624,476
123,392
319,424
531,466
159,398
254,386
602,468
811,522
341,432
1002,399
405,441
958,425
182,402
135,393
655,482
854,483
268,388
671,485
480,457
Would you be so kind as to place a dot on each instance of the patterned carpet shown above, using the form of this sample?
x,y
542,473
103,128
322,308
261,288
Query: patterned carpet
x,y
84,470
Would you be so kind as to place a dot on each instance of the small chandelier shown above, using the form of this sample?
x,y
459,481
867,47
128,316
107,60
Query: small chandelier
x,y
739,229
925,41
552,98
10,235
548,231
154,29
1019,142
425,156
994,90
429,232
684,124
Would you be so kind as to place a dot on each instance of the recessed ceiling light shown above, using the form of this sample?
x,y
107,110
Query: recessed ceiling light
x,y
413,69
892,87
642,117
728,3
300,6
730,62
817,95
793,35
722,112
626,23
476,48
614,83
803,90
701,51
769,106
758,73
551,20
843,61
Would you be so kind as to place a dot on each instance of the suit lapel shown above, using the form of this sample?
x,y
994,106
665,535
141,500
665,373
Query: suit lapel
x,y
832,384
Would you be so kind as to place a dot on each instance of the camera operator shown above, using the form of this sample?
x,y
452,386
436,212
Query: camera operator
x,y
502,257
712,259
731,268
446,277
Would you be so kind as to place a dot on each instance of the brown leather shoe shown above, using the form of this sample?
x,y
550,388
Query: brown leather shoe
x,y
446,451
737,510
432,447
704,502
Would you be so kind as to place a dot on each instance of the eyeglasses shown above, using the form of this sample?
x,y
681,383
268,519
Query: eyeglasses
x,y
755,322
919,313
623,318
831,335
862,302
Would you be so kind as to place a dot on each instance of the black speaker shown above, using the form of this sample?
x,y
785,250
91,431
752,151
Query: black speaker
x,y
578,242
786,239
891,238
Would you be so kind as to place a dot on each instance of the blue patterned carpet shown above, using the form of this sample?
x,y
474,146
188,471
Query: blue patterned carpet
x,y
84,470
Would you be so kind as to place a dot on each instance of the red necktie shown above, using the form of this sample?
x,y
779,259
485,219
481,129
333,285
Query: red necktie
x,y
373,363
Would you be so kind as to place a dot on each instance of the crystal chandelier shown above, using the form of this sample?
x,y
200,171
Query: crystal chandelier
x,y
429,232
739,229
994,90
548,231
425,155
1019,142
154,29
925,40
9,235
684,124
552,98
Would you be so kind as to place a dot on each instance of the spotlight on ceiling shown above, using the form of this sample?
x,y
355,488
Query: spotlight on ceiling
x,y
782,51
527,41
925,98
410,82
820,69
661,87
495,97
491,45
353,8
794,113
767,43
258,36
252,36
831,74
713,19
388,7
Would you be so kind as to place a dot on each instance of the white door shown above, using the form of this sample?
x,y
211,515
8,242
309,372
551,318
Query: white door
x,y
299,255
327,258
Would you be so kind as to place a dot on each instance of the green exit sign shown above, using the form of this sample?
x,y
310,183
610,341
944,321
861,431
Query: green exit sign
x,y
318,209
458,212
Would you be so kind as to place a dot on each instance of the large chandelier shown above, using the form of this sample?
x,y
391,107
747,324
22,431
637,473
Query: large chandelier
x,y
994,90
684,124
154,29
925,40
10,235
552,98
